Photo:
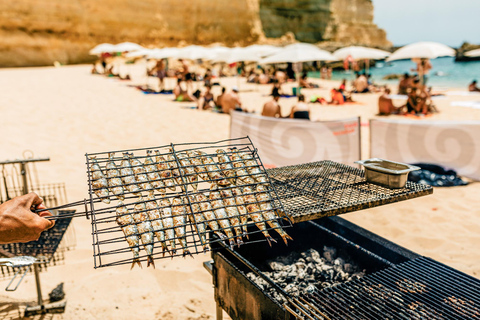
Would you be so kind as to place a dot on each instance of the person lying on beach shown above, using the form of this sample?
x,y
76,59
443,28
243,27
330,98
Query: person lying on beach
x,y
473,87
337,97
386,106
360,84
180,94
405,84
206,100
272,108
18,223
231,101
301,110
305,84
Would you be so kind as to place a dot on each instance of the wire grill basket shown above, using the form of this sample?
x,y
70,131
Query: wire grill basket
x,y
161,202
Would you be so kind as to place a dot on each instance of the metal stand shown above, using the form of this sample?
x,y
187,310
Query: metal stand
x,y
208,265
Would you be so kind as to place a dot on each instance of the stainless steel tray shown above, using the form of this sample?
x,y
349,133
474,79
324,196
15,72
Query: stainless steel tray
x,y
387,173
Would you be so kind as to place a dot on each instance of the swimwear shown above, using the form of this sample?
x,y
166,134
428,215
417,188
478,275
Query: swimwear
x,y
301,115
188,77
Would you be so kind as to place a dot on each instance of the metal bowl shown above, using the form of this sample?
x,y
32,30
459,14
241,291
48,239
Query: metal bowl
x,y
390,174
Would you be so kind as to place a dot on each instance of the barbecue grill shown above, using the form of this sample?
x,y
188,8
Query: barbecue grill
x,y
397,283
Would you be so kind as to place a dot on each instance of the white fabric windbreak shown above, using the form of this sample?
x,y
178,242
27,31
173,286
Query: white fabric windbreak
x,y
451,144
282,142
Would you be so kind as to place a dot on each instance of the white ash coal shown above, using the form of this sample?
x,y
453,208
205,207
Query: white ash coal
x,y
306,272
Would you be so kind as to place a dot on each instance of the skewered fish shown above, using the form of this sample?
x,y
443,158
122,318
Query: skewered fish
x,y
188,170
197,219
140,174
226,165
114,181
128,177
213,170
199,168
99,181
221,215
254,212
156,220
125,221
152,173
253,167
208,214
240,170
145,229
180,221
241,209
172,164
232,212
164,169
268,214
167,220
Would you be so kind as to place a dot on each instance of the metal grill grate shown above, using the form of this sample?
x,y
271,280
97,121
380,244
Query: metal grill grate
x,y
418,289
326,188
163,203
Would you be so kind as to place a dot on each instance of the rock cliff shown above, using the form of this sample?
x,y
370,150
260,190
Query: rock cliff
x,y
41,32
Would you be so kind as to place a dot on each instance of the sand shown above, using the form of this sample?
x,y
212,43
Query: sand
x,y
65,112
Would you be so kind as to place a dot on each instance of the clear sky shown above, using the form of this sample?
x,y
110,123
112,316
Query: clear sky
x,y
447,21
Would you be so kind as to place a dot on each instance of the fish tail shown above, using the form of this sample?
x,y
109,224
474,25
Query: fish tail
x,y
232,243
150,262
245,231
220,235
269,238
187,252
134,262
285,237
239,241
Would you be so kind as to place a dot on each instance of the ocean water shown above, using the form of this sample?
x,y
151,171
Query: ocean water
x,y
446,73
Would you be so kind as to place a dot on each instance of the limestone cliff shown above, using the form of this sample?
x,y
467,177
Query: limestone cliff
x,y
42,31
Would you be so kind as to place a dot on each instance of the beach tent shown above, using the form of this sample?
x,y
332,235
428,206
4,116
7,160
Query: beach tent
x,y
473,53
127,47
360,53
102,48
419,50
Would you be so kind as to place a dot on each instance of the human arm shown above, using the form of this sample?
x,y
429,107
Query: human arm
x,y
18,223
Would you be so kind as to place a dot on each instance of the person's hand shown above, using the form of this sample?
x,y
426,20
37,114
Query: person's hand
x,y
18,223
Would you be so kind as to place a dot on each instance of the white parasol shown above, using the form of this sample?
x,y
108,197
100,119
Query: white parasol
x,y
194,53
102,48
420,50
127,47
360,53
299,54
473,53
263,49
164,53
237,55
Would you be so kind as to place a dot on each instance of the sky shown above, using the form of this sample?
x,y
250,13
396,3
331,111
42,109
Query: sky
x,y
447,21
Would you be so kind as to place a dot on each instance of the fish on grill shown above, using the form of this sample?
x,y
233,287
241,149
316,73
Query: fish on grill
x,y
113,174
99,181
164,169
207,211
152,173
254,212
145,229
240,169
233,214
268,212
140,173
167,220
226,165
128,176
172,164
213,170
197,219
242,210
125,221
252,167
199,168
156,220
221,215
179,222
188,170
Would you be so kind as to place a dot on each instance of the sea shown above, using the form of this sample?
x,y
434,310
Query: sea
x,y
446,73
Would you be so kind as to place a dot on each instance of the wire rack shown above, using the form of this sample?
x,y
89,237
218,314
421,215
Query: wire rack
x,y
161,202
326,188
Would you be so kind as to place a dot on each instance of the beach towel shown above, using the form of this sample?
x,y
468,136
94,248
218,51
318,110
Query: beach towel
x,y
436,176
466,104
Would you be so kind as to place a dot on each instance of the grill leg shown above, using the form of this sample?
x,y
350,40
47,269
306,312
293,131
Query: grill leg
x,y
219,312
37,282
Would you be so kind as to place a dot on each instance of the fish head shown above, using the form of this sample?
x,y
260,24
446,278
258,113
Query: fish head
x,y
149,152
220,151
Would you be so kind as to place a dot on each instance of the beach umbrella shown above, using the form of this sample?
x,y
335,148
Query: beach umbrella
x,y
139,53
164,53
102,48
301,45
237,55
263,49
473,53
194,53
422,50
127,47
296,54
360,53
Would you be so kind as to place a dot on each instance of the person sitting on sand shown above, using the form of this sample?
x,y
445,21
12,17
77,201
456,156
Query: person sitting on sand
x,y
385,104
303,82
337,97
360,84
186,75
412,102
180,94
272,108
277,88
301,110
159,71
231,101
218,101
405,84
206,100
207,78
473,87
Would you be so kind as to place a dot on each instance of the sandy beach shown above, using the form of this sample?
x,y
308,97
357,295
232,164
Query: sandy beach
x,y
62,113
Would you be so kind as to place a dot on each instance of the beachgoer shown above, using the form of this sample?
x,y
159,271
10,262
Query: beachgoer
x,y
385,104
423,68
412,102
337,97
290,72
231,101
180,94
361,84
186,75
301,110
207,78
159,71
94,69
218,101
272,108
280,76
277,88
323,72
17,221
473,87
405,84
329,73
303,82
206,100
343,86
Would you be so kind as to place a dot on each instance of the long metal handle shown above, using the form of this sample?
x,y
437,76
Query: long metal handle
x,y
19,281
